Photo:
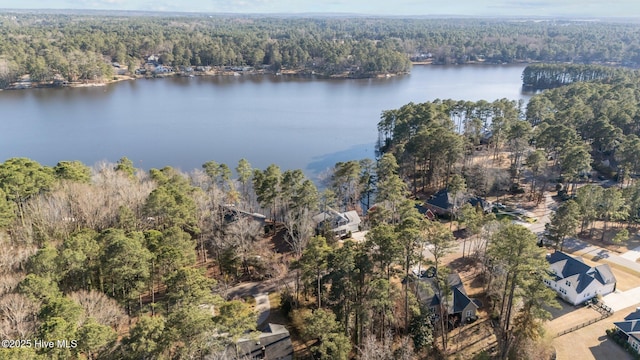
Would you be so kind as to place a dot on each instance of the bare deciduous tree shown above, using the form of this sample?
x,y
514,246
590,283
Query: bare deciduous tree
x,y
18,316
374,349
9,282
13,257
299,225
99,306
243,233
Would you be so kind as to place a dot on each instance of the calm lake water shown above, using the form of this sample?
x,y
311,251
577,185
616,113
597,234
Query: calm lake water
x,y
183,122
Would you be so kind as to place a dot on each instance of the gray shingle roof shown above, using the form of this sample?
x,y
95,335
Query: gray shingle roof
x,y
572,266
634,315
458,298
274,342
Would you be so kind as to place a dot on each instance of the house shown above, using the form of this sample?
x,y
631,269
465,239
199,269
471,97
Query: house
x,y
153,59
629,329
339,223
425,212
458,307
442,202
576,282
274,343
232,214
160,69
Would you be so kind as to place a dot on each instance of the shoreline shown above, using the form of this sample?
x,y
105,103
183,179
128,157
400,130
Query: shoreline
x,y
26,84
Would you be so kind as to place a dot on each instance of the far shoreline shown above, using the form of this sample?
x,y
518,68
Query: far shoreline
x,y
27,84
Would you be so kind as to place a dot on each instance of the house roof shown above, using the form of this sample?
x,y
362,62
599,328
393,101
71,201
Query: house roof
x,y
440,199
443,200
231,214
477,201
337,219
634,315
630,327
458,300
575,270
275,340
425,211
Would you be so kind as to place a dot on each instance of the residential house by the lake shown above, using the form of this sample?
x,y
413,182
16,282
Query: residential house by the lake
x,y
339,223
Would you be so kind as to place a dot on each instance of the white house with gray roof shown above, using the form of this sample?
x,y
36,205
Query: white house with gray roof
x,y
339,223
576,282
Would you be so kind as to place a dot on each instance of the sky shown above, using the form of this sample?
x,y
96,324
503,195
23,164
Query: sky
x,y
520,8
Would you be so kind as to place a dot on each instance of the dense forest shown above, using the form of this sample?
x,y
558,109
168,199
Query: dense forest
x,y
548,76
134,264
84,47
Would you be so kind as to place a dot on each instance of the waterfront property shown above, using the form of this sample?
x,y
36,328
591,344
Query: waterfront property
x,y
576,282
339,223
232,214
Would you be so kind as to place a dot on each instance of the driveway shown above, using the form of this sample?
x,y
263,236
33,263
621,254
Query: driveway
x,y
633,254
619,300
263,307
359,236
578,247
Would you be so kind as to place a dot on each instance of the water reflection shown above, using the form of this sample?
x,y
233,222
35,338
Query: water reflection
x,y
321,163
295,122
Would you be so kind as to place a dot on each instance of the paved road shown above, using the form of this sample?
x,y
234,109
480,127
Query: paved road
x,y
260,292
542,215
578,247
268,286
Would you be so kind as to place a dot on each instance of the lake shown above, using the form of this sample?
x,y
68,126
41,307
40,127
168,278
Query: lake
x,y
183,122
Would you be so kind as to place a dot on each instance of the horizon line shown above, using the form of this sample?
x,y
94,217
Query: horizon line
x,y
327,14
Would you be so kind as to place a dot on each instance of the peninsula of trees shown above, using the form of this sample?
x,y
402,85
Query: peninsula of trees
x,y
85,47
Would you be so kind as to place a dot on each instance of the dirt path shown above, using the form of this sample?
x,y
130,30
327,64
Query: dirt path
x,y
268,286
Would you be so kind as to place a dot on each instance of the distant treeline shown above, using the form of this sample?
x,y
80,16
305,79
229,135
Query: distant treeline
x,y
549,76
82,47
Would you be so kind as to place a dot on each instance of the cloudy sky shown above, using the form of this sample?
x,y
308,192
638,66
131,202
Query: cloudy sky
x,y
581,8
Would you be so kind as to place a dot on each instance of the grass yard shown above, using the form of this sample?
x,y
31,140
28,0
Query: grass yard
x,y
569,316
591,342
